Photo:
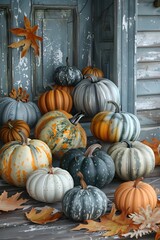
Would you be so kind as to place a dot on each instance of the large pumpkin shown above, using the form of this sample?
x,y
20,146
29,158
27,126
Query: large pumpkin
x,y
19,158
132,195
67,75
92,95
18,107
96,165
55,100
115,126
132,159
61,131
55,181
93,70
84,202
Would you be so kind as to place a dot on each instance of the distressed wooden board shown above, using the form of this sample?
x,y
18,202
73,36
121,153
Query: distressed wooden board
x,y
148,87
148,39
146,8
148,70
148,102
149,118
146,23
145,54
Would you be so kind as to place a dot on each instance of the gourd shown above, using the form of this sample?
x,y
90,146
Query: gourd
x,y
93,70
49,184
67,75
55,100
18,107
96,165
10,130
115,126
92,95
61,131
132,195
19,158
84,202
132,159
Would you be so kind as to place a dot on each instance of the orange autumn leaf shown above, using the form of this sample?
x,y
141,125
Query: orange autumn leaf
x,y
155,145
45,215
29,34
11,203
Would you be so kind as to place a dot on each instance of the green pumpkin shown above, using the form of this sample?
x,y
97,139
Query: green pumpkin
x,y
96,165
84,202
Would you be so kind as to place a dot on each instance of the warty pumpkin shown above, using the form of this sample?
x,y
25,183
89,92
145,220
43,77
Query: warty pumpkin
x,y
132,159
61,131
49,184
115,126
92,95
132,195
84,202
93,70
19,158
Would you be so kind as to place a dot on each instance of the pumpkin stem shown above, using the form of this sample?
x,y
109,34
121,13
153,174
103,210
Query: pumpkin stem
x,y
24,139
50,170
76,118
117,110
136,182
67,62
90,149
129,144
82,182
10,124
93,78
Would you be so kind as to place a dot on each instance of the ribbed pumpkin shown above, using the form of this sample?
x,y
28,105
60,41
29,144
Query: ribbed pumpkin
x,y
132,195
49,184
96,165
55,100
19,158
10,130
92,95
93,70
18,107
132,159
67,75
84,202
68,89
61,131
114,126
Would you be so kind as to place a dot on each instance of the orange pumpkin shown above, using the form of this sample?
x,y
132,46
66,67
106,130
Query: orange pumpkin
x,y
132,195
10,130
68,89
55,100
93,70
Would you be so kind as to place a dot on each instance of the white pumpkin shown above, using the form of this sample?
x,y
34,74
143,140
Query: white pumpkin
x,y
49,184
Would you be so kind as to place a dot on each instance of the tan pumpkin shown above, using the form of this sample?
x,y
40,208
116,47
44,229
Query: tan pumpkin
x,y
132,195
55,100
93,70
10,130
18,159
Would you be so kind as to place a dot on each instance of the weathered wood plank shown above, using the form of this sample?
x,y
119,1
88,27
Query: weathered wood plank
x,y
148,39
146,23
148,70
149,117
145,54
146,7
150,102
148,87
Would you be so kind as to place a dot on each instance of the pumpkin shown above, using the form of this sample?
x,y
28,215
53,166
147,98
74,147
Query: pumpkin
x,y
68,89
61,131
92,95
96,165
132,159
55,100
67,75
19,158
10,130
93,70
84,202
18,107
114,126
130,196
49,184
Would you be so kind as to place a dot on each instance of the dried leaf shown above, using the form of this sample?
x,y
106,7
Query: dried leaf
x,y
137,233
155,145
11,203
31,38
45,215
19,95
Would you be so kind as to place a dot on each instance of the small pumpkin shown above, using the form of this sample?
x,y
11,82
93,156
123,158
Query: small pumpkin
x,y
114,126
55,100
49,184
92,95
132,159
84,202
10,130
19,158
68,89
61,131
67,75
93,70
130,196
18,107
96,165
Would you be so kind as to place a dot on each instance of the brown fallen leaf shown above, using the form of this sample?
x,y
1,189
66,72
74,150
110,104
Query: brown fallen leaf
x,y
45,215
11,203
155,145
